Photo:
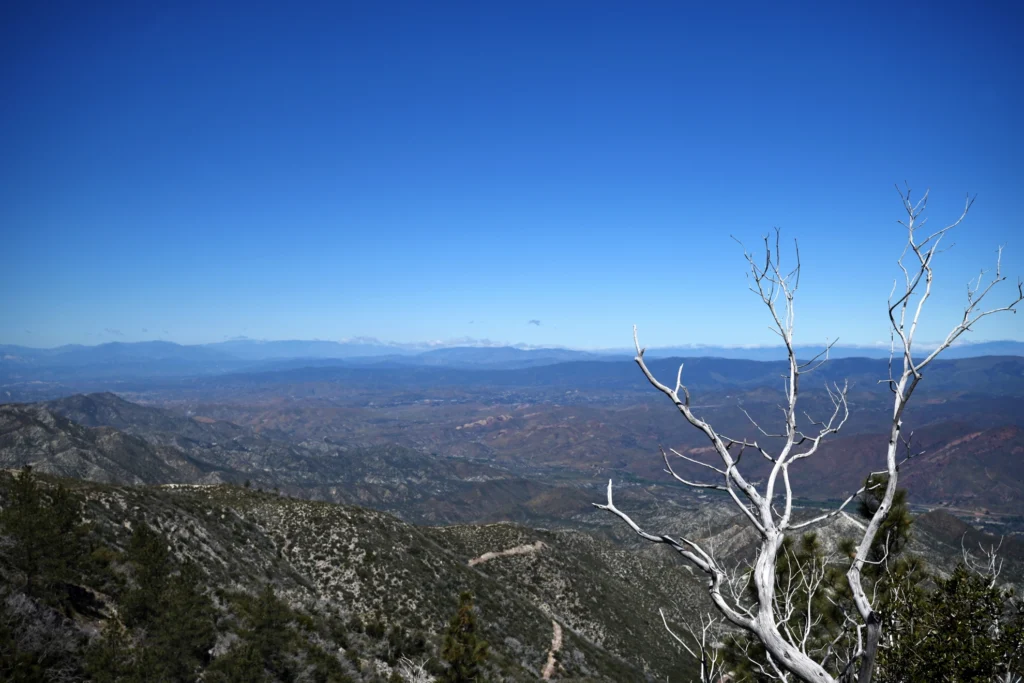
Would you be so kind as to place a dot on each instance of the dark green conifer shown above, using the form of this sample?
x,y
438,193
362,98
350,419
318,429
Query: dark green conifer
x,y
184,632
966,629
242,664
149,556
270,633
19,521
45,529
111,658
462,650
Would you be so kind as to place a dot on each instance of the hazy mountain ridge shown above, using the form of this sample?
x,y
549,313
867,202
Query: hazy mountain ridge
x,y
155,360
573,380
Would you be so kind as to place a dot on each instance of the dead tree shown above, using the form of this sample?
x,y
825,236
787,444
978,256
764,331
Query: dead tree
x,y
706,652
789,653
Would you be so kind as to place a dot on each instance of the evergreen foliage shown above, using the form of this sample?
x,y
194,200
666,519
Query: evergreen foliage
x,y
45,530
241,665
183,631
960,629
964,630
270,634
462,650
149,557
112,658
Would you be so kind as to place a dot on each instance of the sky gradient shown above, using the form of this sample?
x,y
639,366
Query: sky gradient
x,y
541,173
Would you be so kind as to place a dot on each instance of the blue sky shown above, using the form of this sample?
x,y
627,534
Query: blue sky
x,y
417,171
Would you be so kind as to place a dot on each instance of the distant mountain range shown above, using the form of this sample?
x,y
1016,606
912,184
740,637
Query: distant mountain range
x,y
167,359
966,350
28,374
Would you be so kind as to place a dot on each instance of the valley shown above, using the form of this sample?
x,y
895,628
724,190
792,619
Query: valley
x,y
378,495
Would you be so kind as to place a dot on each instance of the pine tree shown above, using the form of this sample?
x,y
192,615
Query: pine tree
x,y
46,534
184,630
178,618
965,629
19,522
147,551
241,665
111,658
270,633
462,650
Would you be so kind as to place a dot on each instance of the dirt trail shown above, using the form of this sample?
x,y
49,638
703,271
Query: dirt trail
x,y
556,645
517,550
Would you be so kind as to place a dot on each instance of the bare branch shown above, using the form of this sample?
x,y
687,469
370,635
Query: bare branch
x,y
834,513
782,617
692,552
904,317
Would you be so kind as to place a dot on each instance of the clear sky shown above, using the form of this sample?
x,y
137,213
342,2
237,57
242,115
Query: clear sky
x,y
435,170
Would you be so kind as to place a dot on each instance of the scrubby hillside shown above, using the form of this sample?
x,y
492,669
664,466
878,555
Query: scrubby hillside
x,y
354,593
32,434
103,438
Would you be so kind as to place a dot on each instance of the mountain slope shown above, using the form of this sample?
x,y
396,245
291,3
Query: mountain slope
x,y
507,465
102,437
351,563
33,435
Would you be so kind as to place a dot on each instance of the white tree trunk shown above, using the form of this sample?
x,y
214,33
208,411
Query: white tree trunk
x,y
789,653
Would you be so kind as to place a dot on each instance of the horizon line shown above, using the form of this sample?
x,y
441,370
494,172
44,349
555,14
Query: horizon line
x,y
430,345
